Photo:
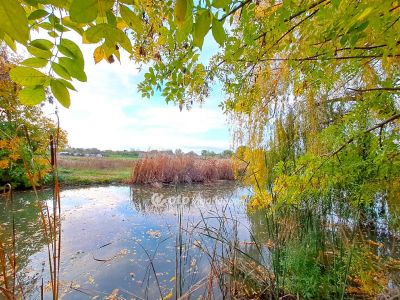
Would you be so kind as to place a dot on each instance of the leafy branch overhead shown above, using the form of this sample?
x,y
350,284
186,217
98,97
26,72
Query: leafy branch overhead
x,y
169,35
158,33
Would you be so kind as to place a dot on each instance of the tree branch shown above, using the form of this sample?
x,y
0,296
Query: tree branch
x,y
379,125
317,57
393,89
234,10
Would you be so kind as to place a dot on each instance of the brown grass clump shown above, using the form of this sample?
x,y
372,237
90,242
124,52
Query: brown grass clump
x,y
94,163
181,169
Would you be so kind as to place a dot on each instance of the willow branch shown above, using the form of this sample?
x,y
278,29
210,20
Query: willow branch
x,y
351,140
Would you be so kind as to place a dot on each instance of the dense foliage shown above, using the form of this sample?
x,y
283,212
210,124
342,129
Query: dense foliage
x,y
24,134
315,94
312,85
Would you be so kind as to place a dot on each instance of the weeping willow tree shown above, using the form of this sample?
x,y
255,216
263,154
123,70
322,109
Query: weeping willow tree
x,y
313,88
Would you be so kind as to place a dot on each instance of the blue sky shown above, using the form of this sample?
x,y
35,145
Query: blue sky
x,y
107,112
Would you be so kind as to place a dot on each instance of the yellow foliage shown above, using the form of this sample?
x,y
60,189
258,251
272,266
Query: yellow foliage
x,y
3,164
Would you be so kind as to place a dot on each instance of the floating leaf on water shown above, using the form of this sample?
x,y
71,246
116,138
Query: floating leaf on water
x,y
91,279
172,279
123,252
113,295
154,233
193,262
168,296
197,244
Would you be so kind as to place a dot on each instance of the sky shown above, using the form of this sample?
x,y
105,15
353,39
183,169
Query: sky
x,y
107,112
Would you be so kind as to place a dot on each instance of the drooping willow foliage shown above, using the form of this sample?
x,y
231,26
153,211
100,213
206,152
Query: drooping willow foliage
x,y
313,89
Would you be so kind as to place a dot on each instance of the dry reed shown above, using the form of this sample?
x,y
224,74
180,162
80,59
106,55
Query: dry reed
x,y
180,169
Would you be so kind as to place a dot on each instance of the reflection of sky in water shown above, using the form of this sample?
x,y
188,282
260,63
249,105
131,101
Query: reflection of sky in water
x,y
106,229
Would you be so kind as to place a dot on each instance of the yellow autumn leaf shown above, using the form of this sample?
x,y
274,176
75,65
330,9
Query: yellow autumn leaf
x,y
180,12
3,164
122,25
168,296
99,54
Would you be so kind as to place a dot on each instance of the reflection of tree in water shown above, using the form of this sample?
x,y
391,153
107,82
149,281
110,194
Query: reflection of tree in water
x,y
149,200
29,235
329,239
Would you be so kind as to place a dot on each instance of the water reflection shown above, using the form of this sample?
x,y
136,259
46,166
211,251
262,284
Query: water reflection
x,y
151,200
29,238
119,239
143,242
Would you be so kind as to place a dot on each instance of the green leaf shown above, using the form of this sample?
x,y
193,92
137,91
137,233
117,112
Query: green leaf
x,y
61,92
31,2
96,33
42,44
111,19
131,19
10,42
111,34
84,11
218,31
201,27
60,71
67,84
46,54
53,19
38,14
13,20
32,95
61,28
74,69
27,76
35,62
66,21
72,50
46,25
183,32
221,3
58,3
53,34
180,12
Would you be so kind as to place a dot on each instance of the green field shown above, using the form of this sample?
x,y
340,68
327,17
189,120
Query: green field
x,y
84,171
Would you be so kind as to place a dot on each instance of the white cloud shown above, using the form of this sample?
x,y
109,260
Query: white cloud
x,y
107,112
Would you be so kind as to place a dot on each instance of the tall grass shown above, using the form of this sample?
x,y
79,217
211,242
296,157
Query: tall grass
x,y
180,169
302,253
51,222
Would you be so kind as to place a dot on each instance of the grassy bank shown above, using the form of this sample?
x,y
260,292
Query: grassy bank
x,y
94,170
159,169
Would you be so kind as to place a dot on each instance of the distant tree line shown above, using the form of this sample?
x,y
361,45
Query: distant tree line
x,y
70,151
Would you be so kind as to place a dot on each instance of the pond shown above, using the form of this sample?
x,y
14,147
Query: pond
x,y
125,242
111,233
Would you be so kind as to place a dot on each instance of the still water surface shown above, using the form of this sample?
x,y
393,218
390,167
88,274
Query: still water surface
x,y
123,241
109,233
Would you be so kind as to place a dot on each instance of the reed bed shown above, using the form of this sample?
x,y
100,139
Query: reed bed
x,y
99,163
180,169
